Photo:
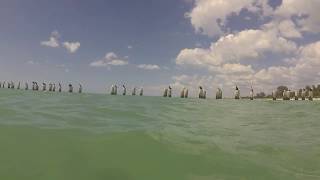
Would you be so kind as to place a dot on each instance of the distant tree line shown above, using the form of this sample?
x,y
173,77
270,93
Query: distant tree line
x,y
280,89
260,95
315,89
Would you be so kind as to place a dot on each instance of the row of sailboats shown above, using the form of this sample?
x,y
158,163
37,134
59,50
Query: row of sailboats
x,y
114,90
287,94
202,94
36,87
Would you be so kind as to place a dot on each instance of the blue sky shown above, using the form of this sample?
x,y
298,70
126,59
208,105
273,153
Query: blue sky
x,y
154,43
100,27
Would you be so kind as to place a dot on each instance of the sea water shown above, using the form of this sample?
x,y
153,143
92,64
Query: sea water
x,y
63,136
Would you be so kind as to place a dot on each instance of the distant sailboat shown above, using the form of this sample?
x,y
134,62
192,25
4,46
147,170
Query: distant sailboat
x,y
80,88
165,93
141,92
114,90
274,95
70,88
310,95
237,93
50,86
286,95
124,90
44,87
186,93
182,93
134,91
60,87
201,93
251,94
303,94
296,95
219,94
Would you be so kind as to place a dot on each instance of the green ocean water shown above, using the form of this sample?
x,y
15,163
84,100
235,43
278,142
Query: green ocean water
x,y
52,136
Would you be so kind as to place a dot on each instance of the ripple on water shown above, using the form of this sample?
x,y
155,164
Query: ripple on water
x,y
278,139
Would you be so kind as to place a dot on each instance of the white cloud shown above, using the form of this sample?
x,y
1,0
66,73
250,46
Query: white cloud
x,y
148,66
72,47
130,47
118,62
228,59
198,44
305,71
110,59
209,16
61,65
234,48
64,67
53,40
31,62
236,69
305,13
192,81
286,28
248,18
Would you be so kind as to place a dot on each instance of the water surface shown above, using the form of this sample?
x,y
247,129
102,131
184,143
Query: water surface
x,y
50,136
